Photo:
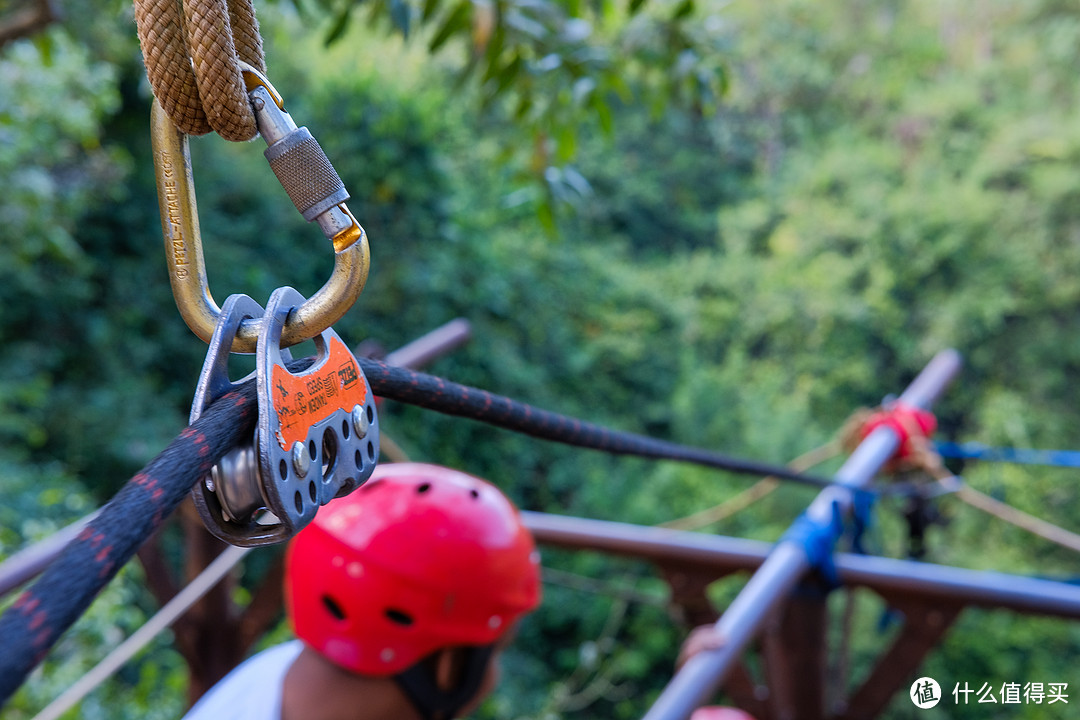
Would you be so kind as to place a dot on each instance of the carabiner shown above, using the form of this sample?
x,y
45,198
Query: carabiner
x,y
315,189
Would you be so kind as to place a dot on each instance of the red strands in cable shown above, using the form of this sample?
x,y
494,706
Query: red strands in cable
x,y
69,584
35,621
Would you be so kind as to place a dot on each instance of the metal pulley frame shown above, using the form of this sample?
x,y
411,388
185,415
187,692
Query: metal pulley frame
x,y
317,436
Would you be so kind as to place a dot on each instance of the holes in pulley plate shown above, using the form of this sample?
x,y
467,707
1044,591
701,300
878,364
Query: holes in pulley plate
x,y
346,487
329,452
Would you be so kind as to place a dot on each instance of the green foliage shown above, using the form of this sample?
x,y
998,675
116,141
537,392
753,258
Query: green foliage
x,y
882,180
50,159
39,499
548,66
53,168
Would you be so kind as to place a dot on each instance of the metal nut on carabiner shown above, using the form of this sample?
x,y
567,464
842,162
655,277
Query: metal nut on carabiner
x,y
300,164
321,199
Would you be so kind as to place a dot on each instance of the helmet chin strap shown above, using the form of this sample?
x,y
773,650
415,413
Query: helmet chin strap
x,y
434,703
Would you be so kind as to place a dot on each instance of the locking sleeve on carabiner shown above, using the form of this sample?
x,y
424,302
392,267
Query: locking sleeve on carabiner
x,y
300,164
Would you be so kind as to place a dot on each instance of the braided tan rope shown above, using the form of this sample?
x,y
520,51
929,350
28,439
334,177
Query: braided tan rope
x,y
167,64
246,35
1019,518
192,49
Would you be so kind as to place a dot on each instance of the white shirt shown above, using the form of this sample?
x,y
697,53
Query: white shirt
x,y
252,691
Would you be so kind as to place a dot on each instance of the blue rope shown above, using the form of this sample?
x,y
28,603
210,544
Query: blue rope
x,y
978,451
818,539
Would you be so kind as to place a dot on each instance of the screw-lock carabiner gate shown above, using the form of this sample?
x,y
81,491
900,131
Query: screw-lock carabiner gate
x,y
310,182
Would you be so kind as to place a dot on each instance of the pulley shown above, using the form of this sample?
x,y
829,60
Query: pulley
x,y
317,436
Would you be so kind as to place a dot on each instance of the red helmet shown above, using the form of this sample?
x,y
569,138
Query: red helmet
x,y
420,558
717,712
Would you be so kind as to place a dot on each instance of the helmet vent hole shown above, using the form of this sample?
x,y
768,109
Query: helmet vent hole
x,y
333,608
399,617
421,489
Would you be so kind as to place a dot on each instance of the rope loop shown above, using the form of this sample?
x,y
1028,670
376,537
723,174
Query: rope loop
x,y
818,539
913,426
193,50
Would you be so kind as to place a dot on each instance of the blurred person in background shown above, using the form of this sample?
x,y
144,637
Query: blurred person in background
x,y
402,595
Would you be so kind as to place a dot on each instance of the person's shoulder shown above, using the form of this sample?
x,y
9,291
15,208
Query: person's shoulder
x,y
252,691
281,654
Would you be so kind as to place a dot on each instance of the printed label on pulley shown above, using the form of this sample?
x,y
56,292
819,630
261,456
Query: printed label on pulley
x,y
307,399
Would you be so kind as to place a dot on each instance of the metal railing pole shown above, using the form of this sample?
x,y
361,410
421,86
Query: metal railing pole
x,y
702,674
720,554
431,345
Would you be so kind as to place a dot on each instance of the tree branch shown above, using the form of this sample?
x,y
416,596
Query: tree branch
x,y
27,21
159,578
265,606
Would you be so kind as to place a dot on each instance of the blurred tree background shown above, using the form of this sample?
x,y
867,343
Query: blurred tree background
x,y
728,225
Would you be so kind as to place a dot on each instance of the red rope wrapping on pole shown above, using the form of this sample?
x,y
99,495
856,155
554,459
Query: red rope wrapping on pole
x,y
912,425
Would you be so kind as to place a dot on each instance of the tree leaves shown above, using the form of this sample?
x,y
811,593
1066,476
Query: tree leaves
x,y
401,14
339,24
530,52
456,21
683,10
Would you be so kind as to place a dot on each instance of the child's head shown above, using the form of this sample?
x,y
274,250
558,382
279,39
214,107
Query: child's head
x,y
416,576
